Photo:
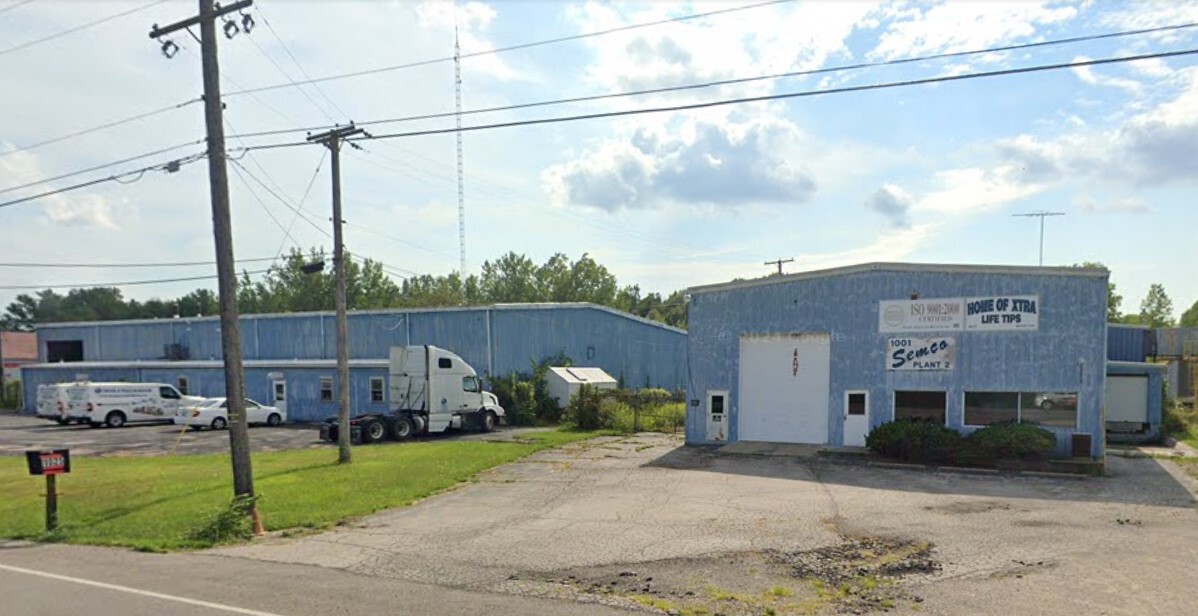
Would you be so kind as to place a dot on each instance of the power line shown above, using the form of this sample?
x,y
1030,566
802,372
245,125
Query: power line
x,y
101,127
175,164
787,95
562,39
98,167
121,265
14,5
127,283
311,181
742,80
78,28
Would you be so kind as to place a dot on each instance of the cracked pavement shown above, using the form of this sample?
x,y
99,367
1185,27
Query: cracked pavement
x,y
1123,544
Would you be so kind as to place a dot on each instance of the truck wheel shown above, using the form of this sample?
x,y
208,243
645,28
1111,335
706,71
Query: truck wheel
x,y
274,420
115,419
219,423
373,431
488,421
403,428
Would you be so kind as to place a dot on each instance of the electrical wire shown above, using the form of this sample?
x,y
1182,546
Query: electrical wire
x,y
787,95
311,181
562,39
111,178
742,80
121,265
14,5
79,28
101,127
98,167
127,283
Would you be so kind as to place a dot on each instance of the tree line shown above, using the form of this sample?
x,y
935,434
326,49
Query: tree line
x,y
298,283
1156,309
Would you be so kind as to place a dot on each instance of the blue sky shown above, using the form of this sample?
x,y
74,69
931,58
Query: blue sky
x,y
930,173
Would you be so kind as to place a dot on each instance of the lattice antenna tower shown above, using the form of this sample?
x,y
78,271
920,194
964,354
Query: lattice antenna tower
x,y
457,92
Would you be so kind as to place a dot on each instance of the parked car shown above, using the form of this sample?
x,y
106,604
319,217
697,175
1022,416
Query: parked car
x,y
1048,401
214,413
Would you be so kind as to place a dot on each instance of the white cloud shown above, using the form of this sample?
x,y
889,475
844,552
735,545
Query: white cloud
x,y
68,208
1124,205
1087,75
733,164
892,202
473,19
975,190
961,26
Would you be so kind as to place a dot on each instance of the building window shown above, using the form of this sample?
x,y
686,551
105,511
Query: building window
x,y
376,389
984,408
930,406
444,362
856,403
183,385
326,389
64,350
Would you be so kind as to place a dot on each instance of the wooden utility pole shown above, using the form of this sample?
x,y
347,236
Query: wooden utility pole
x,y
779,263
218,182
332,140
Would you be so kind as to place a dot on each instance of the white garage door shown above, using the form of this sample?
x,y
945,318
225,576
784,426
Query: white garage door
x,y
784,388
1127,398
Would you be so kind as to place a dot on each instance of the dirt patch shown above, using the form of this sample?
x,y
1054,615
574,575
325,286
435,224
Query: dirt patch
x,y
855,576
1020,568
969,506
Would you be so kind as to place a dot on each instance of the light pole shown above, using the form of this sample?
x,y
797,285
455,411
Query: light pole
x,y
1042,214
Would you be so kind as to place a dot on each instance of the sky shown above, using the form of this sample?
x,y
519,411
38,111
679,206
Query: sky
x,y
931,173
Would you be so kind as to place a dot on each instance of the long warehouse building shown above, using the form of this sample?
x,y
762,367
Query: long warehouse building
x,y
290,358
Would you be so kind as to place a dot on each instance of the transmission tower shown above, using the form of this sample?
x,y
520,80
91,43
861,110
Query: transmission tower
x,y
457,92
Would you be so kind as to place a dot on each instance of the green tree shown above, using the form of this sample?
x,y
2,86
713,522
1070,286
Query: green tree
x,y
1114,301
1157,309
22,314
1189,318
511,278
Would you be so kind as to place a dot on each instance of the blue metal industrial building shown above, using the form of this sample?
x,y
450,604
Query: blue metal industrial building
x,y
292,355
825,356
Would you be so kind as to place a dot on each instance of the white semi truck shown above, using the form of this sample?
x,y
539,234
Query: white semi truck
x,y
431,390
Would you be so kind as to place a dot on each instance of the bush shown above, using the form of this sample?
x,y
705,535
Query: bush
x,y
525,396
1180,421
585,411
915,441
1010,441
10,394
229,524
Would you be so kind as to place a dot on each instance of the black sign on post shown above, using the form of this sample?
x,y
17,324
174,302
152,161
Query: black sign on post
x,y
51,464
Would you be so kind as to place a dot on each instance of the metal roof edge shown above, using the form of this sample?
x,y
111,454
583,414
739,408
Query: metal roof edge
x,y
1135,366
960,268
162,364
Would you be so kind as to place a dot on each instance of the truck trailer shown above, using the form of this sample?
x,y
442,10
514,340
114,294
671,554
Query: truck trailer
x,y
432,390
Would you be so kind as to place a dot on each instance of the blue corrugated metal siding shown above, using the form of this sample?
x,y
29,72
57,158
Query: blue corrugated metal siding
x,y
1127,343
1177,342
1072,330
644,353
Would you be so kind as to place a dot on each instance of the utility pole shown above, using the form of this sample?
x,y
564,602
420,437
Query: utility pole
x,y
332,140
1042,214
779,263
218,181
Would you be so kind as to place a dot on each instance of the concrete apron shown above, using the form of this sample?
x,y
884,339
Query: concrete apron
x,y
759,448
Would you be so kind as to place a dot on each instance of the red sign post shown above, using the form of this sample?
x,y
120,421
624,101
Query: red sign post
x,y
51,464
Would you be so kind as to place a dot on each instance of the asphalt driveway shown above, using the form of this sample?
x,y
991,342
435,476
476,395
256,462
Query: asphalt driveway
x,y
643,522
21,432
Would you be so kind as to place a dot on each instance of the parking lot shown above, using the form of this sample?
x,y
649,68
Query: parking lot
x,y
19,433
643,521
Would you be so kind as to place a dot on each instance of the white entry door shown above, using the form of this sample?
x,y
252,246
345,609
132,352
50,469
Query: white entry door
x,y
717,416
856,418
784,388
279,387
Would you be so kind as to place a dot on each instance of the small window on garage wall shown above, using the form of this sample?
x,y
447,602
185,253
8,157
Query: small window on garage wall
x,y
376,389
183,385
326,389
930,406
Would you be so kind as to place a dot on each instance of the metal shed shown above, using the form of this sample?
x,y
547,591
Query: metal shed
x,y
825,356
296,351
563,383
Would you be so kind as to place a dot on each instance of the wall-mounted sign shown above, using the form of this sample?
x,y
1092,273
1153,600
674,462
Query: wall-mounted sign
x,y
921,315
921,353
1002,313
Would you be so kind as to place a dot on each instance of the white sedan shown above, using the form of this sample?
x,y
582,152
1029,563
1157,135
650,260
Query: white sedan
x,y
213,413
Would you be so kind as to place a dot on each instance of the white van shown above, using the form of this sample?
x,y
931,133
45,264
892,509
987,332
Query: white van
x,y
117,404
54,400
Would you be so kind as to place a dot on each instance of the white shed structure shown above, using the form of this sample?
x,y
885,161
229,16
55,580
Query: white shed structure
x,y
563,383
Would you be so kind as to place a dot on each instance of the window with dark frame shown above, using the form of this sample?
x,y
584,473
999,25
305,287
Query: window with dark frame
x,y
326,389
984,408
856,403
930,406
183,385
376,389
444,362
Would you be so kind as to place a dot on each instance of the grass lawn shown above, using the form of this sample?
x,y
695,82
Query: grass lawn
x,y
157,503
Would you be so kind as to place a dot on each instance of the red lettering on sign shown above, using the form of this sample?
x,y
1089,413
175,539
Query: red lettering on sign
x,y
794,364
53,464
